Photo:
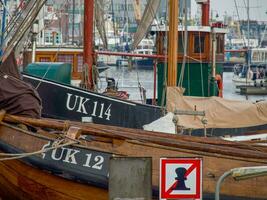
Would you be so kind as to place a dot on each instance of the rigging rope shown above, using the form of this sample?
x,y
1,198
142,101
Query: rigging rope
x,y
165,66
238,22
9,156
181,79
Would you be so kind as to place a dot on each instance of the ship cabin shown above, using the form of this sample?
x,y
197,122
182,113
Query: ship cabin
x,y
72,55
258,56
204,59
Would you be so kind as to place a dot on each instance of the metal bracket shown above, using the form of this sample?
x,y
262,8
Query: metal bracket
x,y
204,121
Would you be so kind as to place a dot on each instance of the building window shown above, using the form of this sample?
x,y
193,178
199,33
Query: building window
x,y
44,59
65,58
181,43
80,63
48,37
199,44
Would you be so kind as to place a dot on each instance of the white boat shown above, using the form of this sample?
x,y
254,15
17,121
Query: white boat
x,y
146,47
257,72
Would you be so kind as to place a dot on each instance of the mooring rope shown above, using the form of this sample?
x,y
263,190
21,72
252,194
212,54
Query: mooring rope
x,y
10,156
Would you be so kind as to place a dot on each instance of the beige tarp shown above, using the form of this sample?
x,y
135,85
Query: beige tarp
x,y
220,113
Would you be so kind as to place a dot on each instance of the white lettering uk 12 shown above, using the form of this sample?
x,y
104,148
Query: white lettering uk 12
x,y
78,157
83,105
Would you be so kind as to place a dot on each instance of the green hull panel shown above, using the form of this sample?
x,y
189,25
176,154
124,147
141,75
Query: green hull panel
x,y
197,81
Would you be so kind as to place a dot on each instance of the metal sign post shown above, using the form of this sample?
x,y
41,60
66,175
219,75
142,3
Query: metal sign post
x,y
130,178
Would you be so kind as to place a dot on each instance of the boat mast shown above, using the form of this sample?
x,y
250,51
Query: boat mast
x,y
205,13
88,39
172,43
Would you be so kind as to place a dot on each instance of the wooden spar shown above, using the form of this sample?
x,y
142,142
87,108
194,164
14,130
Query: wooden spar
x,y
246,151
60,125
88,39
172,43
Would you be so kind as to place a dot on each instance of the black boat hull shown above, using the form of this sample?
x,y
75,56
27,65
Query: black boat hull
x,y
66,102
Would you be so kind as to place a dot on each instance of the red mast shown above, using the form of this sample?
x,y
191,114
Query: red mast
x,y
205,7
88,39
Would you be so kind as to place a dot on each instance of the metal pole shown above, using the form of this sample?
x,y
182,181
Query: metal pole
x,y
219,182
155,81
34,37
248,25
73,18
34,47
88,38
248,53
214,48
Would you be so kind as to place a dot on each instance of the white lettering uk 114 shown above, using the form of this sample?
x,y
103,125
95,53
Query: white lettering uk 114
x,y
86,106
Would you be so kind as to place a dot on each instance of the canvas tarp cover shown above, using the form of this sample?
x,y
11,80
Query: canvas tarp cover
x,y
16,96
219,112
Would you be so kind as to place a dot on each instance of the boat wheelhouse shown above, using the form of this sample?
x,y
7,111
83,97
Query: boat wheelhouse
x,y
258,56
204,59
69,54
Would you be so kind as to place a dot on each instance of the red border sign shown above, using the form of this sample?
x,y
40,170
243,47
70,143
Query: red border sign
x,y
193,173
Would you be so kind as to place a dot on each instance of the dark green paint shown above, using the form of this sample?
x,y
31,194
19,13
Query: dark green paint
x,y
198,80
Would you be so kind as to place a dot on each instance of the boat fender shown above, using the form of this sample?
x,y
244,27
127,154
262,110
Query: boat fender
x,y
219,80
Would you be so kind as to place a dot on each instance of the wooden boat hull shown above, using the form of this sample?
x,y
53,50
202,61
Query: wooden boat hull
x,y
58,175
22,181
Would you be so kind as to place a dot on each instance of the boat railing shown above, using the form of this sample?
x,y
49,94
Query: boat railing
x,y
177,113
241,173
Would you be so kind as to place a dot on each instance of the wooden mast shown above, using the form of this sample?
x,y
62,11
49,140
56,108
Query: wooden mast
x,y
88,39
172,43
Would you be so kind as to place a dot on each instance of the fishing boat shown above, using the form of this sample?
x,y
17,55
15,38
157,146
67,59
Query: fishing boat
x,y
253,72
70,102
251,81
146,47
67,170
53,159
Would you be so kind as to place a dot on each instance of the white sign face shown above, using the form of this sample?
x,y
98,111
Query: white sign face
x,y
180,178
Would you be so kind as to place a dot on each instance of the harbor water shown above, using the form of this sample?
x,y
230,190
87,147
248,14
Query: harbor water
x,y
130,80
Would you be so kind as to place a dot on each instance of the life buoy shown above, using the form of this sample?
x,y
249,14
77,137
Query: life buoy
x,y
219,80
